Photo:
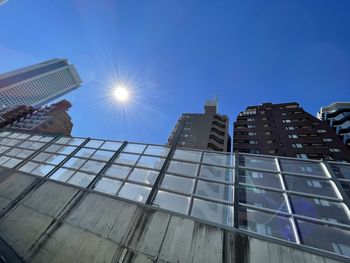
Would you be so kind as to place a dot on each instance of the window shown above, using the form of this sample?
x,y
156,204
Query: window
x,y
321,131
297,145
293,136
267,125
253,142
251,126
290,128
286,121
250,119
335,150
327,140
270,141
314,183
251,133
302,156
262,112
268,133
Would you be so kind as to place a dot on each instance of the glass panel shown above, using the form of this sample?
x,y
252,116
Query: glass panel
x,y
151,162
215,190
126,158
12,163
218,159
259,178
45,139
67,149
310,186
341,170
108,186
42,157
332,239
14,152
187,155
3,149
257,162
143,176
266,224
304,167
157,150
62,174
217,173
118,171
113,146
135,192
188,169
36,145
4,159
53,148
56,159
94,144
93,166
43,169
179,184
84,152
320,209
172,202
134,148
25,153
81,179
74,163
214,212
76,141
263,198
63,140
28,167
102,155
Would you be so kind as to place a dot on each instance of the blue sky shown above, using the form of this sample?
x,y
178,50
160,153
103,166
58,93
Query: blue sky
x,y
175,54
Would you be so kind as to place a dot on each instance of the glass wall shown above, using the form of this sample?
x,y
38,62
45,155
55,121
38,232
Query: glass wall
x,y
289,199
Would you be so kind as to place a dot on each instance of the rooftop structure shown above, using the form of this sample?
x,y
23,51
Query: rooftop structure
x,y
81,199
38,84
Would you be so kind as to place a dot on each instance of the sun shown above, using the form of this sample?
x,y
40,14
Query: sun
x,y
121,94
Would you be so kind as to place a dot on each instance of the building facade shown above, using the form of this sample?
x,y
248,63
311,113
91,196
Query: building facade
x,y
208,130
337,115
38,84
67,199
286,130
52,118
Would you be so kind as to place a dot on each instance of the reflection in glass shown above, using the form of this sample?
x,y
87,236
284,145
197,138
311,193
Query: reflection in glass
x,y
217,173
172,202
143,176
42,157
67,150
108,186
215,190
304,167
12,162
179,184
259,178
62,174
84,152
28,167
118,171
43,169
127,158
187,155
55,159
135,192
24,153
94,143
332,239
266,224
74,163
113,146
257,162
93,166
214,212
320,209
157,150
218,159
134,148
263,198
341,170
102,155
310,186
81,179
151,162
188,169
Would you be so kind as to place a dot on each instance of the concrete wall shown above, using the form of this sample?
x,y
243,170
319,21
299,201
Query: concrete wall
x,y
50,222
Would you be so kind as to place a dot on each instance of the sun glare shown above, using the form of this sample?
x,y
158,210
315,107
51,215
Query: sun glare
x,y
121,94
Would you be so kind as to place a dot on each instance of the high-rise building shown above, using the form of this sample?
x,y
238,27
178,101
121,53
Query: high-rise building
x,y
65,199
208,130
286,130
337,115
52,118
38,84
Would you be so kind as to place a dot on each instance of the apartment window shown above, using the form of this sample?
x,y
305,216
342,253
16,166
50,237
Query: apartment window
x,y
256,151
262,112
297,145
250,119
272,151
334,150
253,142
270,141
251,133
264,119
321,131
302,156
268,133
286,121
314,183
290,128
266,125
327,140
251,126
293,136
